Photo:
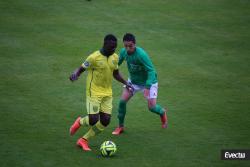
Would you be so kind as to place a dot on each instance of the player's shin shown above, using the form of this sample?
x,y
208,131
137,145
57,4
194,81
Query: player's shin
x,y
122,112
162,112
157,109
94,130
84,121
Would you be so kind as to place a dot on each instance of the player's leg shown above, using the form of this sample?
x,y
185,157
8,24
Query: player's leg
x,y
93,108
126,95
122,108
96,128
80,121
90,119
105,114
154,107
99,126
75,126
105,118
99,121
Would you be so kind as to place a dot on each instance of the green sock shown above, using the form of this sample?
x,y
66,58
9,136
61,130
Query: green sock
x,y
121,112
157,109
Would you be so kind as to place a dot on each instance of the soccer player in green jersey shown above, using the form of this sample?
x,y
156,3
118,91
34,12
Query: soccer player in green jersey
x,y
102,66
142,76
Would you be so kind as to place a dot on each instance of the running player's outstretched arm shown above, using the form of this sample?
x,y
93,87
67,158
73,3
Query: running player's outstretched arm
x,y
88,63
75,75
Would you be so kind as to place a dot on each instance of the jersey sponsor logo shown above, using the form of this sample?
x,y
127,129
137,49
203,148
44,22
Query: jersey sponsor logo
x,y
135,68
100,63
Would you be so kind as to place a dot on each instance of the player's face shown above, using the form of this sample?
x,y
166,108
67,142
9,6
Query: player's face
x,y
110,47
129,46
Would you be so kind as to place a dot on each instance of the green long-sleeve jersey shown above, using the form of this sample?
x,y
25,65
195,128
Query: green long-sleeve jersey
x,y
140,67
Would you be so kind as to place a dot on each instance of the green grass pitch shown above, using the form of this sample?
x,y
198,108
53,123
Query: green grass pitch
x,y
199,48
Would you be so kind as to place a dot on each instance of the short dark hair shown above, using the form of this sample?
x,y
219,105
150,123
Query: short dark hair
x,y
110,37
129,37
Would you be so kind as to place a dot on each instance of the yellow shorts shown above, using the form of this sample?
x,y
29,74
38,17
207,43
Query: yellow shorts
x,y
99,104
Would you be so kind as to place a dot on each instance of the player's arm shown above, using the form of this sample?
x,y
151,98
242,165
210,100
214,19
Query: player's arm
x,y
150,70
88,63
121,56
118,77
75,75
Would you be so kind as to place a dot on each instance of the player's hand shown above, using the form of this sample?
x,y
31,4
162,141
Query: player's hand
x,y
130,87
146,93
73,76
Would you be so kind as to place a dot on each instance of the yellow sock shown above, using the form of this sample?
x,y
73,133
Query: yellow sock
x,y
89,134
84,121
98,127
94,130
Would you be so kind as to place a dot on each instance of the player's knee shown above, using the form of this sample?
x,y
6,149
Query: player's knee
x,y
152,108
126,95
105,122
93,119
151,103
105,119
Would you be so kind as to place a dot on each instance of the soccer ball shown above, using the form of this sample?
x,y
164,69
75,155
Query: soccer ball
x,y
108,148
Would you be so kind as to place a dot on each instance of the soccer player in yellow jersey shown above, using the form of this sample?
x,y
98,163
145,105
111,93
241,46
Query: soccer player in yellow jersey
x,y
102,66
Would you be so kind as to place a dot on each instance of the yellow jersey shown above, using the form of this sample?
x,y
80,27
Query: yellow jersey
x,y
100,73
